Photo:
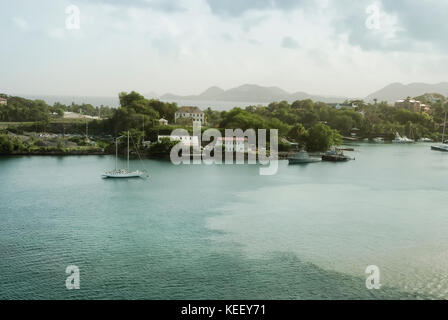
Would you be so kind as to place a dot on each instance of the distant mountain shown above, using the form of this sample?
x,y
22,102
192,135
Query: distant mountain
x,y
251,93
211,92
152,95
95,101
396,91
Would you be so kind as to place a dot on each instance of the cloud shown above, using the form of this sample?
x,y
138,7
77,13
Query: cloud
x,y
289,43
421,20
154,45
404,25
161,5
21,23
56,33
239,7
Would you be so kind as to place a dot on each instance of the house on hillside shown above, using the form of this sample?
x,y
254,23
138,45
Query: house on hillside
x,y
193,113
412,105
163,122
3,101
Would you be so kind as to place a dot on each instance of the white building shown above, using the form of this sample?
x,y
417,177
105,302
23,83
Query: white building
x,y
234,144
193,113
163,122
192,141
3,101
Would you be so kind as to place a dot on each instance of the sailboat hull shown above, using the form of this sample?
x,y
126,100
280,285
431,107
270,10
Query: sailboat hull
x,y
443,148
122,175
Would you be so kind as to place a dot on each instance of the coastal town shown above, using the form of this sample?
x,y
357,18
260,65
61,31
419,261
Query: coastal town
x,y
309,125
195,156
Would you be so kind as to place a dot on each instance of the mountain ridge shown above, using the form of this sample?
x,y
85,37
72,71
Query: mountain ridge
x,y
397,90
252,93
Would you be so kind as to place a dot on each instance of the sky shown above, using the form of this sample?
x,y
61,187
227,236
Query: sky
x,y
329,47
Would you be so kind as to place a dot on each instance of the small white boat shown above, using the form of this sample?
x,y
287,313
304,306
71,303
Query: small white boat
x,y
378,140
122,173
425,140
302,157
400,139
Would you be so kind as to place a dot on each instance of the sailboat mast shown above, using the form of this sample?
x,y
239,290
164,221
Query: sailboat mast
x,y
444,127
143,128
116,153
128,150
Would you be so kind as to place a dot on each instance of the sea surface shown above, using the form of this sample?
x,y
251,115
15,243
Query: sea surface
x,y
115,102
224,231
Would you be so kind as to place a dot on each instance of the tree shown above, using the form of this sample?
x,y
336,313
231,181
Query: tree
x,y
6,145
307,105
163,147
321,138
10,144
299,134
21,109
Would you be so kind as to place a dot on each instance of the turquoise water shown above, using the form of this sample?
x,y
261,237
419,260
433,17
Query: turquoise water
x,y
224,231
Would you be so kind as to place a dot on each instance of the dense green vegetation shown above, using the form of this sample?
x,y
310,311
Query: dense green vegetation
x,y
314,125
371,119
137,112
10,145
85,109
21,109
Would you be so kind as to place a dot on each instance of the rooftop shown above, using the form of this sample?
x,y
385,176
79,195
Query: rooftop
x,y
407,100
189,110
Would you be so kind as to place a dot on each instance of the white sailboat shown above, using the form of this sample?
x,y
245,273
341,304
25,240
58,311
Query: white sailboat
x,y
442,147
122,173
400,139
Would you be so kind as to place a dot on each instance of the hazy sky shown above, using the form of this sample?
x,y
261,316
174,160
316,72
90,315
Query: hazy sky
x,y
338,47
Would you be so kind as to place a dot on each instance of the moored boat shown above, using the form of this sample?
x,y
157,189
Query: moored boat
x,y
335,156
302,158
400,139
122,173
442,147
